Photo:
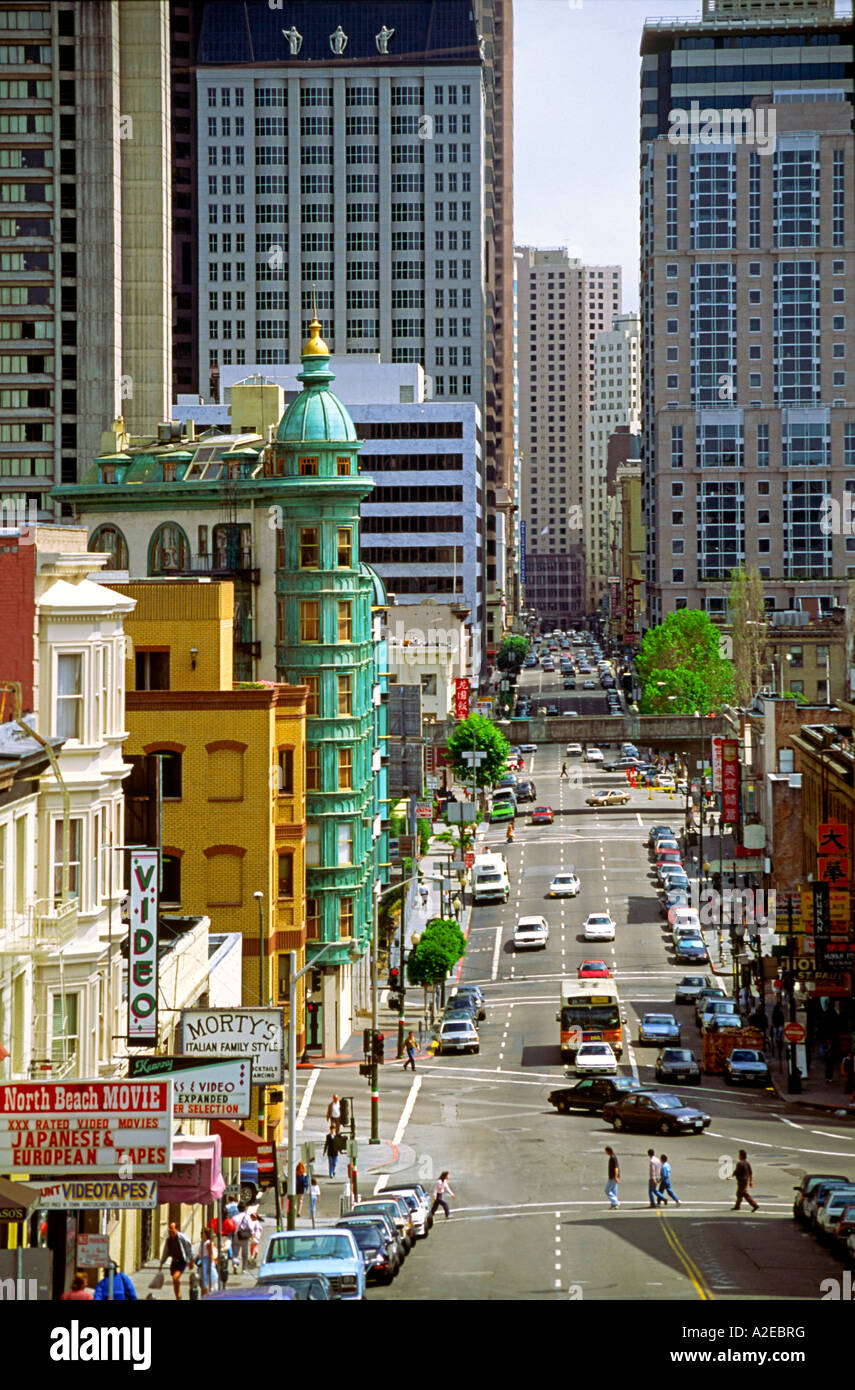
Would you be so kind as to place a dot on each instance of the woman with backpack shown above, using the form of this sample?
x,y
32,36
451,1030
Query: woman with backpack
x,y
242,1236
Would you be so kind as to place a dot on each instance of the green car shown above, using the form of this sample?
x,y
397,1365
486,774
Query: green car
x,y
502,810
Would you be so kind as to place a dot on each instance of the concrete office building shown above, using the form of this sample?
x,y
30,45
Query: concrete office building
x,y
562,305
84,236
615,402
747,238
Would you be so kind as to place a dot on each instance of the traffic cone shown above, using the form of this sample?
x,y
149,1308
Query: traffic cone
x,y
650,793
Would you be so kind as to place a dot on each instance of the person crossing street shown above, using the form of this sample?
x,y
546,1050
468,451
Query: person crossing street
x,y
744,1179
665,1180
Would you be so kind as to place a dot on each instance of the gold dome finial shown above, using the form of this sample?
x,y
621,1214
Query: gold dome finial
x,y
315,345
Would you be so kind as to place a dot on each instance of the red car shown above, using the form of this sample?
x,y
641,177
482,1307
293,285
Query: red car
x,y
542,815
594,969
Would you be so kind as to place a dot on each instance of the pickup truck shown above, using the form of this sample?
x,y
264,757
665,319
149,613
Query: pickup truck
x,y
330,1251
607,799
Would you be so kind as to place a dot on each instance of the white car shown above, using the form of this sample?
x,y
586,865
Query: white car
x,y
599,926
593,755
530,933
595,1059
666,783
684,917
564,885
458,1035
573,750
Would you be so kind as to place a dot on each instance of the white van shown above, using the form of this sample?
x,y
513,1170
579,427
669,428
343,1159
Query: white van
x,y
490,878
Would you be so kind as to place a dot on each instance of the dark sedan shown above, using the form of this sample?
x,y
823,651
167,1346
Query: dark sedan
x,y
526,790
664,1113
808,1185
677,1064
591,1093
747,1067
380,1254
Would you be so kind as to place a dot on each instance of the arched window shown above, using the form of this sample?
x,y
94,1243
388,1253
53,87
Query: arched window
x,y
108,540
169,550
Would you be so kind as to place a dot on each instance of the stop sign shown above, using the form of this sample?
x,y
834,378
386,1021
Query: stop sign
x,y
794,1032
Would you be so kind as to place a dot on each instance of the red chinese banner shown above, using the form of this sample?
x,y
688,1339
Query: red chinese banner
x,y
832,840
461,697
730,780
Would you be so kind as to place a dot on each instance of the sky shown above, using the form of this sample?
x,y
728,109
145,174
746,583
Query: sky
x,y
576,85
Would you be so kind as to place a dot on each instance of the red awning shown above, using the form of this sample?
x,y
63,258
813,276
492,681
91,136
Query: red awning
x,y
237,1142
195,1176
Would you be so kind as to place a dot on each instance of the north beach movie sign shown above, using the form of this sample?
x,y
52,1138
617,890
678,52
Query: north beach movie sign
x,y
142,950
258,1034
99,1126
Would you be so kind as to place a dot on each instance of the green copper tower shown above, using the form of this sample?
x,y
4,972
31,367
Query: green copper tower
x,y
325,640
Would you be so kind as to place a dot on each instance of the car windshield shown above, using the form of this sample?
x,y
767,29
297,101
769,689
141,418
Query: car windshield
x,y
461,1027
689,981
668,1103
744,1054
658,1020
309,1247
598,918
563,878
676,1054
594,1050
367,1237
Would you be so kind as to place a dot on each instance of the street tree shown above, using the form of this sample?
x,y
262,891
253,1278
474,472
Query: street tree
x,y
478,734
748,630
440,947
681,657
512,652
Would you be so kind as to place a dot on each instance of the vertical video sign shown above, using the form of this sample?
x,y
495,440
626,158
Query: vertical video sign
x,y
461,697
730,780
142,958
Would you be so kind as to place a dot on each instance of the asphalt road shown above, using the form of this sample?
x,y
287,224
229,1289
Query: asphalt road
x,y
529,1217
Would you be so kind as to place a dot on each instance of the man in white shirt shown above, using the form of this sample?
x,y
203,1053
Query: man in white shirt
x,y
654,1179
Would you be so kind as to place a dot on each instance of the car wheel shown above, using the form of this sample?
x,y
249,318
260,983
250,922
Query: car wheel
x,y
248,1193
564,1107
617,1122
388,1277
664,1128
476,1049
728,1079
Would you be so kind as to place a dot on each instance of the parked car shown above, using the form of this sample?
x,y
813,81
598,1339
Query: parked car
x,y
595,1058
656,831
655,1110
842,1230
526,791
658,1028
457,1036
297,1288
327,1251
724,1012
746,1066
814,1199
564,885
395,1208
678,1064
591,1094
380,1254
704,995
828,1213
531,933
502,810
808,1185
470,992
416,1190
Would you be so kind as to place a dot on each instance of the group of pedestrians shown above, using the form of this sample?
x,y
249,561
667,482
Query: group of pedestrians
x,y
659,1188
218,1254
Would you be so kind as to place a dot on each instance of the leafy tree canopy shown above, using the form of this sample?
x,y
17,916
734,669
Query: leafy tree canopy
x,y
478,734
512,653
681,658
440,947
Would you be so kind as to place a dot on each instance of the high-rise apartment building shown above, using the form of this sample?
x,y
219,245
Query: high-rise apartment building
x,y
562,305
747,239
615,402
84,236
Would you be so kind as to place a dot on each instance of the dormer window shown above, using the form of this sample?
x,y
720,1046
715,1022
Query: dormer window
x,y
108,472
343,467
169,470
308,468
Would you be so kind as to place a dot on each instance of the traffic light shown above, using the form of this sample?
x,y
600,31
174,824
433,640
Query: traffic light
x,y
366,1042
379,1039
366,1068
345,1112
396,1003
394,979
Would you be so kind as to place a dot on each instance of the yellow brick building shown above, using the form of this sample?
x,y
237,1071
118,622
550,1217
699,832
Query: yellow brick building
x,y
230,790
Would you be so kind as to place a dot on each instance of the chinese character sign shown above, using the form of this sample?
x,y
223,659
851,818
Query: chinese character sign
x,y
716,762
833,853
461,697
730,780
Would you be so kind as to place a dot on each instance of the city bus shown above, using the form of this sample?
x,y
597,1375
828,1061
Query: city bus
x,y
590,1012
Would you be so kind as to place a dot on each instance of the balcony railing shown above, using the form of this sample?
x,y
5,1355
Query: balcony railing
x,y
16,937
54,924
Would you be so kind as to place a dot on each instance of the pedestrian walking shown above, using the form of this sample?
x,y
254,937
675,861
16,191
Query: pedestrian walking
x,y
410,1049
123,1289
665,1180
257,1233
565,776
206,1261
613,1178
331,1150
654,1178
442,1188
243,1237
744,1179
79,1292
180,1254
302,1185
314,1195
423,894
334,1112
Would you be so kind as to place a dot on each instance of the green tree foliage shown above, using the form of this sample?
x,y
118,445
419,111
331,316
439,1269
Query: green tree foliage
x,y
478,734
681,657
440,947
512,653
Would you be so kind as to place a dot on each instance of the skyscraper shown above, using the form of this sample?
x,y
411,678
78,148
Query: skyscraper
x,y
615,402
84,249
747,238
562,305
